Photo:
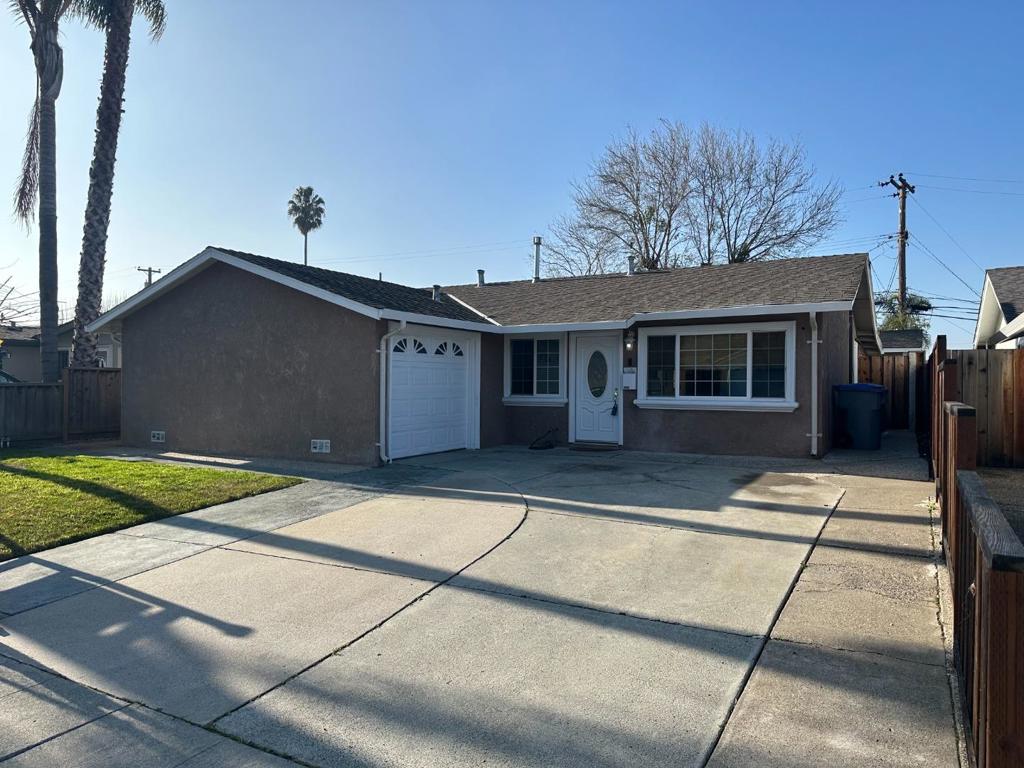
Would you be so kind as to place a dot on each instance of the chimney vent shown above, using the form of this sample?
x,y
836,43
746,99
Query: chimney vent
x,y
437,292
536,258
631,265
479,277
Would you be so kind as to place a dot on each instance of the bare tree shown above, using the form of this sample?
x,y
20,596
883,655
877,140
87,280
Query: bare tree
x,y
673,197
631,204
577,250
752,203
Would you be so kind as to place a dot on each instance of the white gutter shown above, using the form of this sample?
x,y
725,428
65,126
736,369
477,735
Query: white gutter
x,y
383,403
814,383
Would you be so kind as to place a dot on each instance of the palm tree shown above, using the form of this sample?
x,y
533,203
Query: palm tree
x,y
114,18
38,181
307,211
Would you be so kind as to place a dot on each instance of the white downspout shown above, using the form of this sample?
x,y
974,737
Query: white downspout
x,y
383,404
814,384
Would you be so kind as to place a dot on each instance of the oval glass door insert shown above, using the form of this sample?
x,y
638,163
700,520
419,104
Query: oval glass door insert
x,y
597,373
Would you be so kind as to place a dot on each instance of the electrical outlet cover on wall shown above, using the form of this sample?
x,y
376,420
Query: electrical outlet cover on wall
x,y
157,436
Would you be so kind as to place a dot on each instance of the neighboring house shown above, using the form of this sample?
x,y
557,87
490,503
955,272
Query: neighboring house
x,y
1001,314
902,342
19,353
241,354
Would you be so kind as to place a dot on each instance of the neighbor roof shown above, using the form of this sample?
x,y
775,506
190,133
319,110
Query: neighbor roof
x,y
379,294
1008,283
618,297
19,334
912,338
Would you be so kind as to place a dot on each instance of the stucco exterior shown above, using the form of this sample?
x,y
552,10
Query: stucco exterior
x,y
237,364
21,361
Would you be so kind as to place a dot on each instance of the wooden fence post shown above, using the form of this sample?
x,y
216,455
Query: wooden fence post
x,y
65,378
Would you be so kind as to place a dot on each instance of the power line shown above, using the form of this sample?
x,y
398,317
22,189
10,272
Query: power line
x,y
971,178
974,191
946,232
943,264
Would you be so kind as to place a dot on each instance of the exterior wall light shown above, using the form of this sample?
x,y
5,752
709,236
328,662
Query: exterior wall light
x,y
630,341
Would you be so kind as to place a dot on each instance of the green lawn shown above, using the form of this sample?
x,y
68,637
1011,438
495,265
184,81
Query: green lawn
x,y
51,500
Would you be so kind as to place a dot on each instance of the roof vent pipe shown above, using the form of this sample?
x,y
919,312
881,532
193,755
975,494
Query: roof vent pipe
x,y
479,277
536,258
437,292
631,265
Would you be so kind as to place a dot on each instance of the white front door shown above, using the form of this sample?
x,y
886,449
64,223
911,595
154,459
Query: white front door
x,y
597,389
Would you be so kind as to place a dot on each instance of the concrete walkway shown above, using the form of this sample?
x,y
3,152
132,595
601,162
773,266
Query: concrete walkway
x,y
506,606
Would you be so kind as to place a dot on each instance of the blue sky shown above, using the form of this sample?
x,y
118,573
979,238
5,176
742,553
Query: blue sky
x,y
443,135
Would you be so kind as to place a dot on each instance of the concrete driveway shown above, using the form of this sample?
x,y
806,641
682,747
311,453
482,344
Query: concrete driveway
x,y
506,607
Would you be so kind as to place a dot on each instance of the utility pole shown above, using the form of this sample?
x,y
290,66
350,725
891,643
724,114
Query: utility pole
x,y
902,187
149,274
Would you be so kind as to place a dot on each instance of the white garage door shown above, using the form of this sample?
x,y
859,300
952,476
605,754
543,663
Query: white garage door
x,y
430,395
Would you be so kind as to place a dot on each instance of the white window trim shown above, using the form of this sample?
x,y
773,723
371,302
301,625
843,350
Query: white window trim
x,y
747,403
551,400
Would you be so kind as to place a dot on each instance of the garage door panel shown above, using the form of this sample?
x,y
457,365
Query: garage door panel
x,y
428,396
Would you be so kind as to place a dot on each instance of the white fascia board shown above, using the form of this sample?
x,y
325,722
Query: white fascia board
x,y
989,301
440,322
605,325
895,350
1014,327
146,295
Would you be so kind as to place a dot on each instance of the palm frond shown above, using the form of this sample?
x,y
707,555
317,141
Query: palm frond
x,y
27,191
97,14
27,11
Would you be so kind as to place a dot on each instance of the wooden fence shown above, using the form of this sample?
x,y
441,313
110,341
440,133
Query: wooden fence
x,y
985,558
86,404
902,375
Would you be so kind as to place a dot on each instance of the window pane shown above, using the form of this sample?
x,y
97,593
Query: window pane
x,y
716,368
521,355
661,366
769,374
547,366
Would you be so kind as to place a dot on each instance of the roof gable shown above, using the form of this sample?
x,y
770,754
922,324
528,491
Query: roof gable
x,y
1008,283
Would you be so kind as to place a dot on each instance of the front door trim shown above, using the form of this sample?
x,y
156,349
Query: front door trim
x,y
614,376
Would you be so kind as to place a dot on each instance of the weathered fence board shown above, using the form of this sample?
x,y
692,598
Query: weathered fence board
x,y
92,397
30,412
992,381
900,374
86,404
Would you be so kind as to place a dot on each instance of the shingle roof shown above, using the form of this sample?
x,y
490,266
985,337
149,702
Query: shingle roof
x,y
379,294
618,297
20,334
1008,283
912,338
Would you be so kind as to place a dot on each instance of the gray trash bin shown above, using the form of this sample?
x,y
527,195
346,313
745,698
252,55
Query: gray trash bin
x,y
859,407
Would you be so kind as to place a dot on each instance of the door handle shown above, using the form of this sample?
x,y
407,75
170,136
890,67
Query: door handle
x,y
615,402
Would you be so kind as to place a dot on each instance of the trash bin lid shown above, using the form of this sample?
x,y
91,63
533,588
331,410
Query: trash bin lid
x,y
859,387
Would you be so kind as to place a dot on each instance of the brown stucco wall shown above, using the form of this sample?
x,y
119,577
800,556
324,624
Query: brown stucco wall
x,y
492,411
525,423
727,432
834,366
231,363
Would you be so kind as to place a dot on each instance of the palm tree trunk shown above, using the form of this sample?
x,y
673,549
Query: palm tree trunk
x,y
49,365
101,181
305,248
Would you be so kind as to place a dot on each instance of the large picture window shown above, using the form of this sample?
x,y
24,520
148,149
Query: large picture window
x,y
725,366
534,368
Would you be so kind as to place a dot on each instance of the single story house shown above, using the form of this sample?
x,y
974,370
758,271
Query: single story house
x,y
241,354
19,350
903,342
1001,314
